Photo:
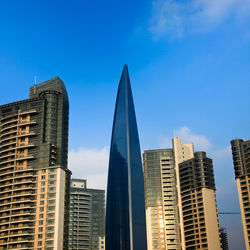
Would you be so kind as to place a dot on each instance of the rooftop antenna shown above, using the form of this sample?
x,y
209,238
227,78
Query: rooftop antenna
x,y
35,85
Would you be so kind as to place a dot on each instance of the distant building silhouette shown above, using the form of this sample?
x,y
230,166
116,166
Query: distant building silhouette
x,y
125,213
223,238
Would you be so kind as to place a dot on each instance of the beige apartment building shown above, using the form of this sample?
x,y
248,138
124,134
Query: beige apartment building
x,y
181,210
182,152
34,179
241,159
161,199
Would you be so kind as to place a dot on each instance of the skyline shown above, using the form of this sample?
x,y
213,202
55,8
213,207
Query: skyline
x,y
196,83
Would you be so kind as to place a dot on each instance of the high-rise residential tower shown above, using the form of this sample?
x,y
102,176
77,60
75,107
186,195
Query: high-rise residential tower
x,y
161,199
125,213
34,179
241,159
87,219
180,199
199,209
182,152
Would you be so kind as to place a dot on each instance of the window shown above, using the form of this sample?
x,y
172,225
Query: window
x,y
50,221
49,242
51,208
50,235
52,188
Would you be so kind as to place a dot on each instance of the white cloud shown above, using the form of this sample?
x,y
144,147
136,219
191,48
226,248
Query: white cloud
x,y
90,164
200,142
222,157
175,18
221,154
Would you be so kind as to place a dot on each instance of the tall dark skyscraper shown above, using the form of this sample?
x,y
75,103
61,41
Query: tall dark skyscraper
x,y
125,213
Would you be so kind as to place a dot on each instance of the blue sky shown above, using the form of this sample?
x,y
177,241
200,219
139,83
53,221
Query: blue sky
x,y
189,68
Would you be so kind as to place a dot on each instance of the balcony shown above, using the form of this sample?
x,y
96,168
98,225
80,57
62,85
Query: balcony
x,y
8,149
5,194
26,122
27,187
25,133
9,127
20,214
8,178
6,185
23,175
7,155
8,133
17,227
23,169
22,194
16,221
8,121
20,207
7,161
25,145
8,144
31,111
8,138
5,209
23,181
24,157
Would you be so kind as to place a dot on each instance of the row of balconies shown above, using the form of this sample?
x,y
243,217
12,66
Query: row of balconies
x,y
11,131
16,182
17,135
17,146
8,143
17,158
20,115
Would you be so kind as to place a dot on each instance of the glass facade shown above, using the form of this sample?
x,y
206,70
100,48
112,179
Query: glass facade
x,y
125,213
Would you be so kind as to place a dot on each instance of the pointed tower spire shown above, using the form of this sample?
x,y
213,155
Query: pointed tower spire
x,y
125,213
